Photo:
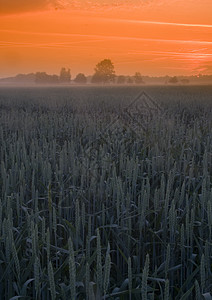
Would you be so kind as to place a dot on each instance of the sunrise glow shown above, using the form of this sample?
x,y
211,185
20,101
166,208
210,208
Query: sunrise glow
x,y
155,37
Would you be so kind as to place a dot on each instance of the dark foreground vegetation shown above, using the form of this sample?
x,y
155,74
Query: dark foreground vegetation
x,y
128,217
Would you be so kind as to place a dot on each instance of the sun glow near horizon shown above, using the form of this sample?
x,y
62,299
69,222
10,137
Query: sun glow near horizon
x,y
155,37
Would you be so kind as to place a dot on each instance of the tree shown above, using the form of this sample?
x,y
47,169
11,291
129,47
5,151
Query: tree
x,y
65,75
173,80
43,78
185,81
104,72
130,80
138,78
80,78
121,79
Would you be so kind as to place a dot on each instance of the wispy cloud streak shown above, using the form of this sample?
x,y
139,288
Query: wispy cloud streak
x,y
111,37
163,23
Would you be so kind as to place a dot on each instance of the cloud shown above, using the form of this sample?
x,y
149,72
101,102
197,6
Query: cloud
x,y
113,37
106,4
206,68
163,23
19,6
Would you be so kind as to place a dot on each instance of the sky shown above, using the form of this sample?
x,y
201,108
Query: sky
x,y
153,37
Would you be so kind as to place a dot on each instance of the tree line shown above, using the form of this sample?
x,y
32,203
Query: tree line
x,y
64,77
104,73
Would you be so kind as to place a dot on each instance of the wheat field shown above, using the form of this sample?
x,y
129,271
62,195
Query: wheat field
x,y
96,209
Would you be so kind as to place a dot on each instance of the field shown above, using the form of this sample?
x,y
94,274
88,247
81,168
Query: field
x,y
104,195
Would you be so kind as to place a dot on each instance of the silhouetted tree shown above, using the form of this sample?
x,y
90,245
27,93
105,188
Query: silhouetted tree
x,y
173,80
104,72
130,80
167,79
43,78
80,78
185,81
138,79
65,75
121,79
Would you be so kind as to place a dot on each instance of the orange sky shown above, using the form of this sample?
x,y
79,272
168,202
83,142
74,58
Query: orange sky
x,y
155,37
